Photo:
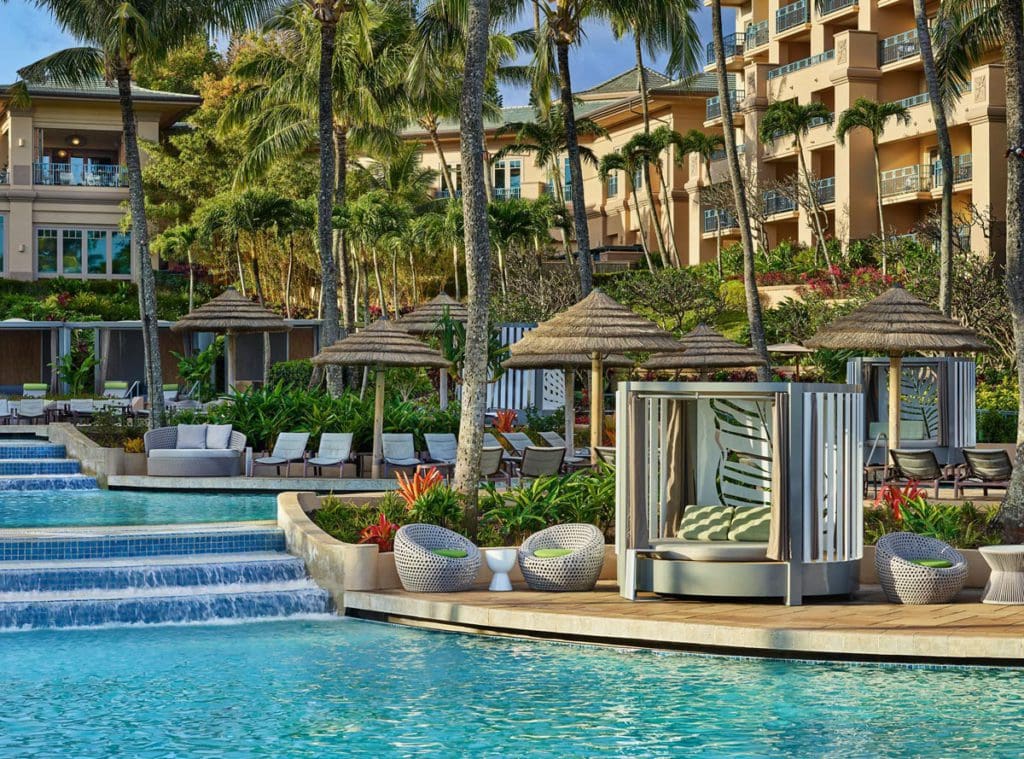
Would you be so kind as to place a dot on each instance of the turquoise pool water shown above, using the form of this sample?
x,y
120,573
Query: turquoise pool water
x,y
64,508
349,688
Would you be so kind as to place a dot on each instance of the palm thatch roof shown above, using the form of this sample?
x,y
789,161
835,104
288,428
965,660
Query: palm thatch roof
x,y
423,320
704,348
789,349
564,361
897,322
383,343
597,324
231,312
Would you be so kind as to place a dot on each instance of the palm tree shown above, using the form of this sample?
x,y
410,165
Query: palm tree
x,y
867,114
117,36
400,173
754,316
789,118
179,242
511,223
478,261
628,165
647,150
705,146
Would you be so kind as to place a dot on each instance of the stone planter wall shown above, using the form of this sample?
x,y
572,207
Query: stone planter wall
x,y
977,575
96,461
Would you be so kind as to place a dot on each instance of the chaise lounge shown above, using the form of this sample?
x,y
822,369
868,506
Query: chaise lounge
x,y
194,450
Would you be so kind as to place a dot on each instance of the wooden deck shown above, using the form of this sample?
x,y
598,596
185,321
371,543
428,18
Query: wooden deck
x,y
866,628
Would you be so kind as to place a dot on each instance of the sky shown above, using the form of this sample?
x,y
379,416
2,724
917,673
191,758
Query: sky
x,y
30,34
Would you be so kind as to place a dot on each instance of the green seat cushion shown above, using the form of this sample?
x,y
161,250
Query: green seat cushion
x,y
116,385
932,563
750,524
706,522
551,553
170,387
450,553
34,386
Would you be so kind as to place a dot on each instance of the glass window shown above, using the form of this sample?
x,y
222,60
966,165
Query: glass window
x,y
515,176
46,251
568,174
97,251
121,253
72,251
613,184
499,175
638,178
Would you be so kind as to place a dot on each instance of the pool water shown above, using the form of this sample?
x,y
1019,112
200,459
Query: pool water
x,y
350,688
61,508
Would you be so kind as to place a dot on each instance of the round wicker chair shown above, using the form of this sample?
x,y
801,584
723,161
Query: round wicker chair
x,y
578,570
908,583
423,571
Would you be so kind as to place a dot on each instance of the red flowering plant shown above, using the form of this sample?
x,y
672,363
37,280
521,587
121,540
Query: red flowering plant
x,y
382,532
411,488
505,420
893,499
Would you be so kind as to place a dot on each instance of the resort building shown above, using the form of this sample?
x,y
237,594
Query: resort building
x,y
834,52
63,181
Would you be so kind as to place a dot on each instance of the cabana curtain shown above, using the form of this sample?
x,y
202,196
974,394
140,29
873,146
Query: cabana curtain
x,y
680,486
779,540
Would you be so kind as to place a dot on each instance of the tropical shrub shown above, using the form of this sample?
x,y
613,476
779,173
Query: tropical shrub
x,y
76,367
439,505
134,445
347,521
505,420
995,426
197,370
294,375
422,481
540,422
962,526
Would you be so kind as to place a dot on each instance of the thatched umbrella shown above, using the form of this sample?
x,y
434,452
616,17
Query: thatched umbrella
x,y
704,349
233,314
597,326
896,323
380,345
423,321
791,349
569,363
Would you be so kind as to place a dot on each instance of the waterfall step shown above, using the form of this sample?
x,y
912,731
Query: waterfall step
x,y
48,482
27,466
31,450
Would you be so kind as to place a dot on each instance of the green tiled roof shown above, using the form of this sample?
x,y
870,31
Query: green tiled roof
x,y
701,83
101,90
627,82
514,114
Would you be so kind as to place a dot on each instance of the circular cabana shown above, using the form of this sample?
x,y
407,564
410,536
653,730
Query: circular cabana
x,y
231,314
384,343
896,323
424,321
705,350
595,327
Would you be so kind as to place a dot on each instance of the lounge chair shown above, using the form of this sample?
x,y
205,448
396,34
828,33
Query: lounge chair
x,y
431,559
289,447
541,462
921,466
606,454
194,450
335,450
520,441
441,447
915,569
557,441
984,468
34,389
115,389
492,465
399,450
32,411
566,557
491,442
80,409
5,411
170,392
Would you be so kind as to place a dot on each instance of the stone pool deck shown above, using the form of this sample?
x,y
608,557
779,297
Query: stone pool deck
x,y
865,629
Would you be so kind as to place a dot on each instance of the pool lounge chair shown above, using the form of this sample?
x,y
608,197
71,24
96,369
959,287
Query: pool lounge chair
x,y
6,412
194,450
491,442
518,440
492,465
335,450
288,448
80,409
921,466
541,462
399,451
441,447
115,389
984,468
170,392
32,411
557,441
34,389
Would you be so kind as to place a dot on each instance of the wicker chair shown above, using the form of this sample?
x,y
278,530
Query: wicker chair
x,y
575,571
905,582
984,468
920,466
423,571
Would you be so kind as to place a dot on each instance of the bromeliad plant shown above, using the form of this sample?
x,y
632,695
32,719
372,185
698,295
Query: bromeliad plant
x,y
422,482
382,533
893,498
505,420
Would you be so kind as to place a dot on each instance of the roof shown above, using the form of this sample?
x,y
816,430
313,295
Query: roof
x,y
704,349
424,320
700,83
626,82
97,89
383,343
231,312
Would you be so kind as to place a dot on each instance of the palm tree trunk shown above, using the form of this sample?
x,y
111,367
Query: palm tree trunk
x,y
643,238
579,207
754,316
381,300
659,233
478,262
641,73
924,41
412,272
191,280
341,243
446,173
502,279
812,198
455,270
140,237
329,330
288,278
666,201
241,268
557,182
394,282
1011,512
881,206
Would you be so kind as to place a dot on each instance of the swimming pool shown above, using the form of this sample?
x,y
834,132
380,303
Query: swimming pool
x,y
65,508
352,688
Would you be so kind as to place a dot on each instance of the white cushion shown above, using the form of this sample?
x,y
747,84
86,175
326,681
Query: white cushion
x,y
711,550
218,435
192,453
191,436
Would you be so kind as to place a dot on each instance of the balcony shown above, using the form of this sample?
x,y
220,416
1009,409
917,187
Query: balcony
x,y
963,170
915,100
79,174
445,195
906,180
507,193
715,220
825,189
790,16
5,177
719,155
775,202
899,47
828,7
733,45
713,109
803,63
757,34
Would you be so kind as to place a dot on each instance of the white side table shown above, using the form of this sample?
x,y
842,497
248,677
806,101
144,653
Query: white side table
x,y
1006,582
500,561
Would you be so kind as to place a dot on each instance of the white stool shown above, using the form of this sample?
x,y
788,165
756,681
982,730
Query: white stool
x,y
500,561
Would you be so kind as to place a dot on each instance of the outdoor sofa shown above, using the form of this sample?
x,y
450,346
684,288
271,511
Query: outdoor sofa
x,y
195,450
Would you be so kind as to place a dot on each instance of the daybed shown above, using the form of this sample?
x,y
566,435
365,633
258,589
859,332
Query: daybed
x,y
194,450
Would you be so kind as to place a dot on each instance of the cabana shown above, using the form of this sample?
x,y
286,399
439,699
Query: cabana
x,y
749,490
423,321
704,350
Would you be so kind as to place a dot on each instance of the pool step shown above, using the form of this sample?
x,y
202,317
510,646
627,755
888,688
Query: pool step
x,y
47,482
32,466
32,450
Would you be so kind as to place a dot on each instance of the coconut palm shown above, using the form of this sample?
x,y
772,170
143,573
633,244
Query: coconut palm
x,y
754,316
400,173
872,116
117,36
704,146
646,150
789,118
628,165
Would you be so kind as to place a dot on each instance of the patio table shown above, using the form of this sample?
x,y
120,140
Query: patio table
x,y
1006,582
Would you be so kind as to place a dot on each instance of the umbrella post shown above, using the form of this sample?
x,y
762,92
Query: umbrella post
x,y
570,411
895,374
596,405
443,388
378,426
230,354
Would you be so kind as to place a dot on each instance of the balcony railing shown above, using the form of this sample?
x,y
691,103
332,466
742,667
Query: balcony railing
x,y
826,7
791,15
907,179
445,194
713,109
719,155
757,34
733,45
898,47
775,202
803,63
4,176
963,170
825,189
915,100
76,175
505,193
820,121
715,219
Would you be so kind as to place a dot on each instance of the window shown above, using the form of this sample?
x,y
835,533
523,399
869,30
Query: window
x,y
638,178
613,184
508,177
83,253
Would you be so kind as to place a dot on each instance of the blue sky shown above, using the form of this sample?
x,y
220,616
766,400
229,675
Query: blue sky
x,y
29,34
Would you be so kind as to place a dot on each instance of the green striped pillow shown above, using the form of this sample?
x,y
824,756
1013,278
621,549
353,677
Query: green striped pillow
x,y
751,524
705,523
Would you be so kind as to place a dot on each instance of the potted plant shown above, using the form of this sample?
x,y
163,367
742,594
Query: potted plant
x,y
134,457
